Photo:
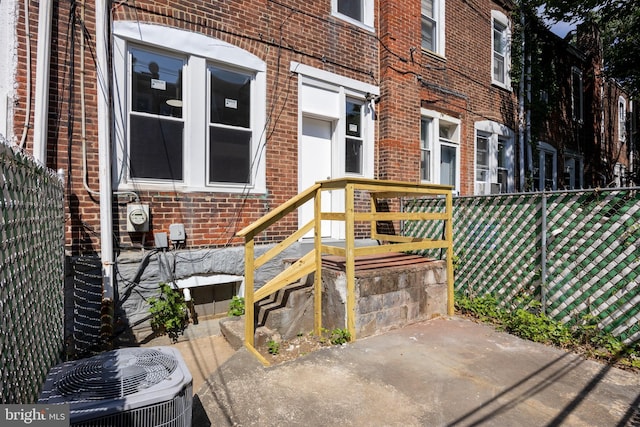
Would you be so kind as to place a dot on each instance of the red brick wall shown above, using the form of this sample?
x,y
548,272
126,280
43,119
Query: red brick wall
x,y
458,85
276,31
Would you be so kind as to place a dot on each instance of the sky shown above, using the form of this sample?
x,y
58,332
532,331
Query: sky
x,y
562,28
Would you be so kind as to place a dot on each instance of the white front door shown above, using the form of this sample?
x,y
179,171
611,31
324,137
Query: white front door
x,y
315,165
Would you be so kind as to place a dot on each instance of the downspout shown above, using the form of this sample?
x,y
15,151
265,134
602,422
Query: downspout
x,y
521,102
41,113
104,153
27,113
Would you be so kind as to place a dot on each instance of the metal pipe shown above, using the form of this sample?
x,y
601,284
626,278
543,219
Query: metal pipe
x,y
41,113
104,147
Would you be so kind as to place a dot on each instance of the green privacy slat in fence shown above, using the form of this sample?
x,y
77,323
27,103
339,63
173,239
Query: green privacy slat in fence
x,y
592,255
31,275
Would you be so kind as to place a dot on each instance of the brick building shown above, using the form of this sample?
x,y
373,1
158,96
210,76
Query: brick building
x,y
200,117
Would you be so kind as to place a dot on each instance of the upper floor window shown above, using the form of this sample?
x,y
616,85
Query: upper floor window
x,y
433,26
576,94
501,47
359,12
172,134
494,158
622,119
440,149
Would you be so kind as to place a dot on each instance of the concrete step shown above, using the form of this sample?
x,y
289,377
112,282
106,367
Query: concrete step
x,y
289,296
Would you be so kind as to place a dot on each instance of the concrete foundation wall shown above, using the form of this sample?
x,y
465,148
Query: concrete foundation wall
x,y
386,298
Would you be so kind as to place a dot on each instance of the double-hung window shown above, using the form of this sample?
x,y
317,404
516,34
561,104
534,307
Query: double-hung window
x,y
545,168
501,47
189,112
577,107
440,149
156,123
622,119
359,12
426,125
573,164
494,154
432,15
229,126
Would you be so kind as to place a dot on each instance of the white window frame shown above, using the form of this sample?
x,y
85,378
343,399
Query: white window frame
x,y
544,149
426,147
495,133
200,51
574,166
438,119
622,119
439,22
577,111
503,20
367,11
345,89
619,174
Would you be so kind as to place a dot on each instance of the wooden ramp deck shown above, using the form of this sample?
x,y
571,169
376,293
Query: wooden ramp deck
x,y
372,262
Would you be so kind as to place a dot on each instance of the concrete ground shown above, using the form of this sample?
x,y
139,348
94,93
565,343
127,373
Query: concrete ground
x,y
444,372
202,347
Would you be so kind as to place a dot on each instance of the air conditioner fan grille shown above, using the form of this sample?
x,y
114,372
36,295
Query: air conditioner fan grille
x,y
116,374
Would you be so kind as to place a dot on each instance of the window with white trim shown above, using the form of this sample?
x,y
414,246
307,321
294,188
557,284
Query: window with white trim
x,y
426,124
189,112
494,154
353,144
501,49
545,168
440,149
573,176
577,95
432,15
622,119
359,12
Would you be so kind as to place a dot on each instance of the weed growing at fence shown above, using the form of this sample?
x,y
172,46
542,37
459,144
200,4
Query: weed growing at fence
x,y
530,323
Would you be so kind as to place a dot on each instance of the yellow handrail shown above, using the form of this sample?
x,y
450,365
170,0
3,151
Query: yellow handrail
x,y
311,262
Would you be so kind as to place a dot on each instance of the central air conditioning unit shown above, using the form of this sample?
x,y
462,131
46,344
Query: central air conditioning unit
x,y
126,387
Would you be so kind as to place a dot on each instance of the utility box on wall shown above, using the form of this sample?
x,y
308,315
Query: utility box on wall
x,y
137,217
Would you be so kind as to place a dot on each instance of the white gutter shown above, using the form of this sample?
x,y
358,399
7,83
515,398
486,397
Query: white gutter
x,y
521,110
104,147
41,113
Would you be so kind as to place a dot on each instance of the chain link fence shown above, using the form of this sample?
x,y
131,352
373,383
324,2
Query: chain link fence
x,y
577,252
31,275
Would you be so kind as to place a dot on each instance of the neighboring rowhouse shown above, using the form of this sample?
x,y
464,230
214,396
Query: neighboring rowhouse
x,y
578,122
448,108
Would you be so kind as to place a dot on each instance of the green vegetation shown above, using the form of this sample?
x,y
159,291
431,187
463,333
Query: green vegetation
x,y
336,336
273,347
339,336
530,323
236,306
168,312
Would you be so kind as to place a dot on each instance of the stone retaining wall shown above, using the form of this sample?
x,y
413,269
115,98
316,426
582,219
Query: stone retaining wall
x,y
386,298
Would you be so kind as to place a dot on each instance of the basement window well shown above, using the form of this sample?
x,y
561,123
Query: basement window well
x,y
211,295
